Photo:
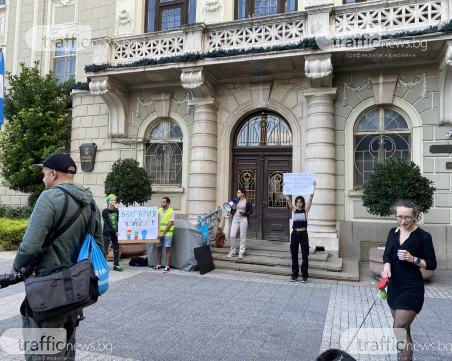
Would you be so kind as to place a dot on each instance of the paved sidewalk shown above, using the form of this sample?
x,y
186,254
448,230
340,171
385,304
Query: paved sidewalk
x,y
148,315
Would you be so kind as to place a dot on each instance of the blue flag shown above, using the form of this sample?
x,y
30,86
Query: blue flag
x,y
2,86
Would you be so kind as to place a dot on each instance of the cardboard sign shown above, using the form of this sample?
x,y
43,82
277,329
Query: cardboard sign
x,y
138,225
298,183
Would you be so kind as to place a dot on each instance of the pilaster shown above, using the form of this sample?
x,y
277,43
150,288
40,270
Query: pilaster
x,y
321,159
203,167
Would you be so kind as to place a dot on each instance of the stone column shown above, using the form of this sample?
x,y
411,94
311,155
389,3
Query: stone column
x,y
321,159
203,168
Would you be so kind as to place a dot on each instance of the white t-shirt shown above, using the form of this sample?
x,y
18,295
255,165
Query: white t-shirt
x,y
162,216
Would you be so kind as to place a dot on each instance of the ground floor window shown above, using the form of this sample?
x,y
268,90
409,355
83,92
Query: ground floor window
x,y
164,153
380,134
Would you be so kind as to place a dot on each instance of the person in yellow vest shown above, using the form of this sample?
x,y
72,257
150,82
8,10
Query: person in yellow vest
x,y
166,233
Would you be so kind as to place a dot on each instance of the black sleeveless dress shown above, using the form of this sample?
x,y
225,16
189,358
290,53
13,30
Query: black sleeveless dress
x,y
406,286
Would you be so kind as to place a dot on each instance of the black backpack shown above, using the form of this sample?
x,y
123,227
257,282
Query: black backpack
x,y
138,262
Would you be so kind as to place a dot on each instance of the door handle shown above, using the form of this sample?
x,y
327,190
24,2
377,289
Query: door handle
x,y
264,205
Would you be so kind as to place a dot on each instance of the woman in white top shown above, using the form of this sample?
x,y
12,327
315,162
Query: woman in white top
x,y
241,213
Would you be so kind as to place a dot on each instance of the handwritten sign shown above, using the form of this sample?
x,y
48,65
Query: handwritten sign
x,y
138,225
298,183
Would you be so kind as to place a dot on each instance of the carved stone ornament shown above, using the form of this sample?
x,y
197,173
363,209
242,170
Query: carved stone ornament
x,y
155,99
293,84
114,94
233,89
260,93
445,87
319,69
366,85
197,83
211,6
123,19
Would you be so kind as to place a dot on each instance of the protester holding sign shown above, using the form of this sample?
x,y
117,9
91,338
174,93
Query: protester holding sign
x,y
165,234
299,236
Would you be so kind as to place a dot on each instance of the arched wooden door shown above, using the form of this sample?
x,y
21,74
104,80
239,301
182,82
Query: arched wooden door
x,y
262,153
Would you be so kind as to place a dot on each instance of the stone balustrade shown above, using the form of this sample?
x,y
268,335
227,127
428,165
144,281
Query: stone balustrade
x,y
384,17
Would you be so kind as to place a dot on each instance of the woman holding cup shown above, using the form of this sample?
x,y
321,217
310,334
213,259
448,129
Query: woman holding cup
x,y
408,249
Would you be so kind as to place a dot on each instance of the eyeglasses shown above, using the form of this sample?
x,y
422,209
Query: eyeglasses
x,y
407,218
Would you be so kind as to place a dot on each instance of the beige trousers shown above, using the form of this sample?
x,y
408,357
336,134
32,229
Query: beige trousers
x,y
242,224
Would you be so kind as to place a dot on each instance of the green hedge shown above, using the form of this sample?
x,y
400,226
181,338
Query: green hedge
x,y
12,232
15,212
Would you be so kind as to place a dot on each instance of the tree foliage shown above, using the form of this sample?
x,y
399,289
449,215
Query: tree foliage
x,y
36,110
395,180
129,182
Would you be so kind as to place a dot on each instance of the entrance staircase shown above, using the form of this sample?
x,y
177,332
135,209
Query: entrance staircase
x,y
273,257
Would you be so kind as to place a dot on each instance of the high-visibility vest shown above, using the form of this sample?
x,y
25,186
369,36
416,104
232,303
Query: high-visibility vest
x,y
165,221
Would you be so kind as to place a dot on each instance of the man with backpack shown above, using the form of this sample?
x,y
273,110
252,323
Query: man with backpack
x,y
58,170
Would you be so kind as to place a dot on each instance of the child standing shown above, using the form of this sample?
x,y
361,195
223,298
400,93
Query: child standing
x,y
110,216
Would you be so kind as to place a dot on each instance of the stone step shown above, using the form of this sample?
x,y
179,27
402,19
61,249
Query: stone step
x,y
262,245
350,270
332,265
282,253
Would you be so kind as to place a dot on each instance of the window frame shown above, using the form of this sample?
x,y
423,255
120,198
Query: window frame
x,y
159,6
65,56
165,140
251,4
380,132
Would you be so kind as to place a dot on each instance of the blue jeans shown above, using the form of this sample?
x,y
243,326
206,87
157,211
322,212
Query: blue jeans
x,y
165,240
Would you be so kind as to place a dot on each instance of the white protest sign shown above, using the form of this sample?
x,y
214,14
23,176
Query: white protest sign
x,y
298,183
138,224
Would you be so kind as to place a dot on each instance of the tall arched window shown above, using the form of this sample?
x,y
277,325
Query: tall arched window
x,y
380,134
164,153
264,129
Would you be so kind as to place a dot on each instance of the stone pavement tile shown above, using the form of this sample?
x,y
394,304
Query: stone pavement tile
x,y
243,350
252,334
12,322
300,352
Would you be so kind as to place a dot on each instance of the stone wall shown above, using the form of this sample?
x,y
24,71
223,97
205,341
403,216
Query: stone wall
x,y
90,124
423,113
352,235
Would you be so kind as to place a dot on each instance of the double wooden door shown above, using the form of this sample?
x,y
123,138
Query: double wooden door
x,y
260,172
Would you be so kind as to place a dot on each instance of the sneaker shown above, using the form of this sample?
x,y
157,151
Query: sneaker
x,y
240,255
117,268
304,280
231,254
166,270
156,268
293,279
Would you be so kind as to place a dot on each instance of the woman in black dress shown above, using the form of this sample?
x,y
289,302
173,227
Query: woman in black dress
x,y
408,249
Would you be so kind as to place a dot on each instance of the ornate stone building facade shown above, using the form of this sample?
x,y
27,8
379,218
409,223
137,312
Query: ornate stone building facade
x,y
212,95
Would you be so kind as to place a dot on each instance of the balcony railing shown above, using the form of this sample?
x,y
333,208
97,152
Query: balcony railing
x,y
345,20
275,31
374,16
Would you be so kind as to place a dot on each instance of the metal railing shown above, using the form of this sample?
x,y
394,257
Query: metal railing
x,y
212,220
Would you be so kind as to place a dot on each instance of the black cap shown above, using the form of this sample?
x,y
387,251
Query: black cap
x,y
60,162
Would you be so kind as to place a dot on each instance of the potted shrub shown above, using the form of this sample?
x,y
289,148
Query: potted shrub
x,y
392,181
131,184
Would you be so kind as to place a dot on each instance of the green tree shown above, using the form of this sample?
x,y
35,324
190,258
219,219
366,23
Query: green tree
x,y
129,182
395,180
36,108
